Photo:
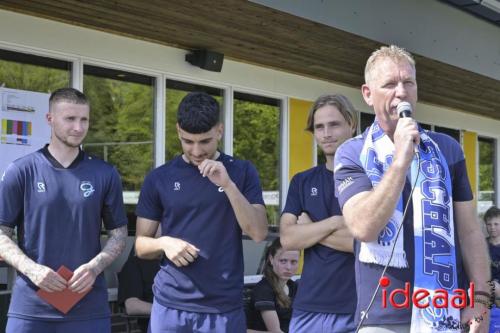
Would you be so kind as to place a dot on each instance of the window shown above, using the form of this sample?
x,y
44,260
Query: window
x,y
121,126
365,121
175,92
486,197
256,128
33,73
454,133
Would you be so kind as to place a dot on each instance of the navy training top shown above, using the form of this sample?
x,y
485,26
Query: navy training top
x,y
58,213
327,279
192,208
263,298
495,261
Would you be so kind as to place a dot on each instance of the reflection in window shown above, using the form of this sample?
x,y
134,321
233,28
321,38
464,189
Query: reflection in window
x,y
121,125
365,120
454,133
486,196
33,73
175,92
256,138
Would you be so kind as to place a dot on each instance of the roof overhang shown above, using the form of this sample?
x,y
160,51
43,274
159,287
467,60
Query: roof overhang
x,y
251,33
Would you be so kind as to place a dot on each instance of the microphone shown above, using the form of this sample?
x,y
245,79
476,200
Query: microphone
x,y
405,111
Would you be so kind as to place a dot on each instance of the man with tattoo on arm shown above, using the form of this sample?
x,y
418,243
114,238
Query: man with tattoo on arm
x,y
57,198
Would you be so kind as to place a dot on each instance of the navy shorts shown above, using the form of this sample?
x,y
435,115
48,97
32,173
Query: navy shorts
x,y
18,325
307,322
169,320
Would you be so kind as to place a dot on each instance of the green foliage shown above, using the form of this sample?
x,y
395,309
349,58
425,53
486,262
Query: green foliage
x,y
486,166
256,138
31,77
121,129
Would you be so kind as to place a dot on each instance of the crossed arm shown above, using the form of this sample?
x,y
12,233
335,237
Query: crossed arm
x,y
298,233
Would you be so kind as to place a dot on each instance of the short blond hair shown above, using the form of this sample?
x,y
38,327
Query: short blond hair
x,y
393,52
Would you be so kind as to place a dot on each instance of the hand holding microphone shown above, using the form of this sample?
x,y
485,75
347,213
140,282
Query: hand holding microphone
x,y
406,128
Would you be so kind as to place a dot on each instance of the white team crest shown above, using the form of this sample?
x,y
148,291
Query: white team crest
x,y
314,191
40,187
177,186
87,188
221,189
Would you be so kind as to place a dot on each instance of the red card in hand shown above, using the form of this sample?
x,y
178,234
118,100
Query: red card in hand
x,y
62,300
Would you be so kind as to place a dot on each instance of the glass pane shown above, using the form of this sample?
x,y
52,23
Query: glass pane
x,y
486,197
175,92
33,73
366,119
257,139
121,126
454,133
426,126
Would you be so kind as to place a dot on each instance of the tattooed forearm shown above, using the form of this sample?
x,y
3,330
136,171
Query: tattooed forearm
x,y
114,246
12,254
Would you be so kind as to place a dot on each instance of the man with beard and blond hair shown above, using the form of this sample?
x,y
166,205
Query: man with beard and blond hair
x,y
57,198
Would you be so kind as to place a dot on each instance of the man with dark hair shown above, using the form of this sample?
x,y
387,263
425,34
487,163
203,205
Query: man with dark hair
x,y
312,220
203,200
57,198
377,175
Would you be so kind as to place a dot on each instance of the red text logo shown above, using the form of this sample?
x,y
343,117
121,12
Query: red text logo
x,y
422,298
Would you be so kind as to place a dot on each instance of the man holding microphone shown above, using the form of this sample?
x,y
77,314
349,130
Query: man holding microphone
x,y
377,175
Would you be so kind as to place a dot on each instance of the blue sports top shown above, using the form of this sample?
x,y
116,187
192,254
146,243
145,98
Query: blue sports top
x,y
350,179
190,207
58,214
327,280
495,261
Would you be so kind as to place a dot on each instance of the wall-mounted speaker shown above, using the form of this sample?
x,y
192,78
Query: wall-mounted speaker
x,y
209,60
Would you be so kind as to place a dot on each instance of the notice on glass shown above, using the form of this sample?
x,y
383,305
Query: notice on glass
x,y
23,126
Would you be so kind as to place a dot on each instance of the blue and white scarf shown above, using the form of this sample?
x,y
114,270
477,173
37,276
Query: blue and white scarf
x,y
435,262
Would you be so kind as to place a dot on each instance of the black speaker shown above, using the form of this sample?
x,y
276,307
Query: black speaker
x,y
209,60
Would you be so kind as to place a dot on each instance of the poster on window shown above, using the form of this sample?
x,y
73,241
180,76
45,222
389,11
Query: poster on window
x,y
23,128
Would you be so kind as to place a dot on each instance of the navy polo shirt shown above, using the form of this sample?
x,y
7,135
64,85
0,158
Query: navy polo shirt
x,y
327,280
192,208
58,214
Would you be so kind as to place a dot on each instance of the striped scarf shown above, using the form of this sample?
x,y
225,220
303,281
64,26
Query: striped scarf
x,y
435,262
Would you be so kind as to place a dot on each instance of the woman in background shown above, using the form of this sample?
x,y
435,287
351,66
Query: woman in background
x,y
271,300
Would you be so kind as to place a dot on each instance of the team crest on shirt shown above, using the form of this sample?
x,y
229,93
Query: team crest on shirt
x,y
87,188
314,192
177,186
40,187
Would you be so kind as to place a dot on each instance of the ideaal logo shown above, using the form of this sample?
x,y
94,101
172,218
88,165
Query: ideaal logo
x,y
433,307
422,298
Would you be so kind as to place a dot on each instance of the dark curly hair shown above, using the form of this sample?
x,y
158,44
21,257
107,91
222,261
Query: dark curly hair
x,y
198,113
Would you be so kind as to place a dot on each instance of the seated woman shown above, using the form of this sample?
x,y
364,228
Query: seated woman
x,y
270,308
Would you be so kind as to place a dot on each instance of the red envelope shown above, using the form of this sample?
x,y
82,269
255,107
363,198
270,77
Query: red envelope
x,y
62,300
